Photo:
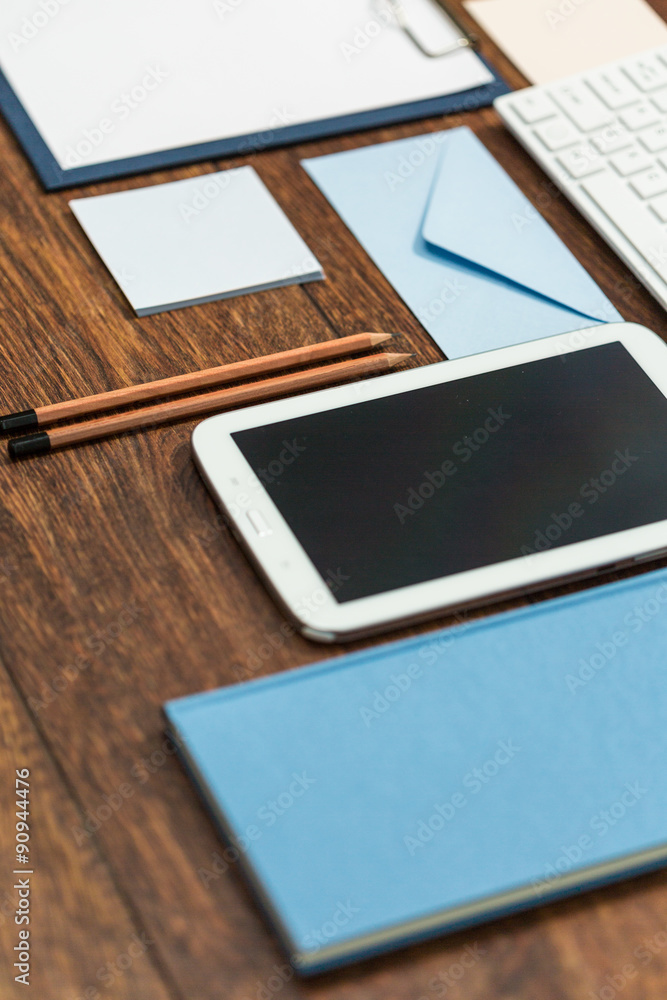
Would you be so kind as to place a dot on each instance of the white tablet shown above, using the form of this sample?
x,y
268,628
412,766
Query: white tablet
x,y
414,494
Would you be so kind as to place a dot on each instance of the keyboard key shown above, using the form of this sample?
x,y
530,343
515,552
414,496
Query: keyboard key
x,y
654,138
659,206
613,87
582,106
557,134
612,138
647,72
580,161
534,106
647,236
631,161
650,183
622,190
639,116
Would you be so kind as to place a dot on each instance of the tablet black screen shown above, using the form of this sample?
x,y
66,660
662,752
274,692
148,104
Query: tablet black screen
x,y
396,491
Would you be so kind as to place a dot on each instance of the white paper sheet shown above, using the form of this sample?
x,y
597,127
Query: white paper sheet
x,y
196,240
549,39
106,80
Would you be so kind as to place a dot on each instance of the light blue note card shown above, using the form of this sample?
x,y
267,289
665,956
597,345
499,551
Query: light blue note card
x,y
196,240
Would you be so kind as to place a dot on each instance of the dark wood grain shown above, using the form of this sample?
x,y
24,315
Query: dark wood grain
x,y
120,588
82,938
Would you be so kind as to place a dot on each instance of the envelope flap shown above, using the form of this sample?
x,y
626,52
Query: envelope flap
x,y
478,213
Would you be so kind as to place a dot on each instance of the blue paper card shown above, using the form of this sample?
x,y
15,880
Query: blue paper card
x,y
417,787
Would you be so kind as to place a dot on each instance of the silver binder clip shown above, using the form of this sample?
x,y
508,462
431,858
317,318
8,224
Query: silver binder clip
x,y
465,39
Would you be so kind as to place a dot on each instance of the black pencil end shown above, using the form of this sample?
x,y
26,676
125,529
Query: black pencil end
x,y
31,444
21,421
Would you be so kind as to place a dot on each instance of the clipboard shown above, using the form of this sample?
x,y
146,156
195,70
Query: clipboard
x,y
81,115
466,39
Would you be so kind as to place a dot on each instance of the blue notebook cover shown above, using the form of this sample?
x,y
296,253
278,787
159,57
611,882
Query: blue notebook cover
x,y
394,794
54,177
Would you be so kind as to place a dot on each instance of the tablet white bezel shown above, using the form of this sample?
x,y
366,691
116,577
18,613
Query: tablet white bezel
x,y
291,575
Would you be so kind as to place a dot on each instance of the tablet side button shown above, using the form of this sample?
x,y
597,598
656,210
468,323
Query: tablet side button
x,y
258,522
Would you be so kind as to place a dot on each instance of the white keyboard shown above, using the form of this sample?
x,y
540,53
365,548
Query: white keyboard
x,y
602,138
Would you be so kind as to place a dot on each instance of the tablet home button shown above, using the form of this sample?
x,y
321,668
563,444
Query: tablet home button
x,y
259,524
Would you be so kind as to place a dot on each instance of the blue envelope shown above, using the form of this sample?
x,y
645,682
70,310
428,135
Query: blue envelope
x,y
466,251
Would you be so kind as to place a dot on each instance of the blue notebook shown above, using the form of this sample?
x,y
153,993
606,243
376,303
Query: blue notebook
x,y
398,793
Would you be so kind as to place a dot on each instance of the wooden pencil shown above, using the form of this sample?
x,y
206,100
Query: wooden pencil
x,y
194,406
43,416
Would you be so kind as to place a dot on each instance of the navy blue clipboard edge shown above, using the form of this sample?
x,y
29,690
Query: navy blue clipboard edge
x,y
54,178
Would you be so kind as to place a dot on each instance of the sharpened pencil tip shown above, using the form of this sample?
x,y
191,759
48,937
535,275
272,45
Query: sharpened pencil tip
x,y
380,338
397,359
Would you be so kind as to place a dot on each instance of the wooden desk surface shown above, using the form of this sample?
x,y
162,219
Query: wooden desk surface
x,y
121,588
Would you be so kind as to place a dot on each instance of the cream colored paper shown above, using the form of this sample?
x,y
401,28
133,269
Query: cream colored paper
x,y
549,39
